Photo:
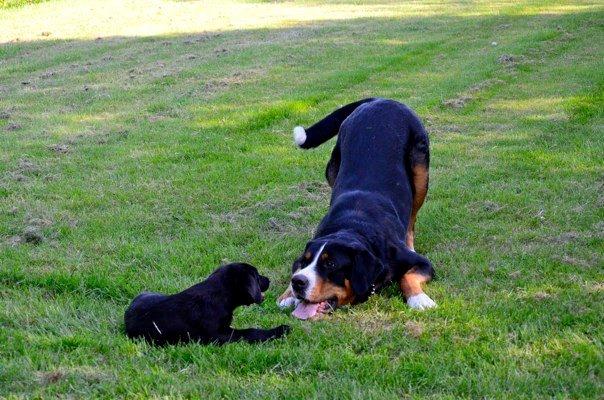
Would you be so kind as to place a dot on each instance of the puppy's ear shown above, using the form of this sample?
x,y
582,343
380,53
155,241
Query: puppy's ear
x,y
365,270
253,290
264,283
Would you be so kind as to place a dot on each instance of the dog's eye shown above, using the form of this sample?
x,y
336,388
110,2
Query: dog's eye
x,y
330,265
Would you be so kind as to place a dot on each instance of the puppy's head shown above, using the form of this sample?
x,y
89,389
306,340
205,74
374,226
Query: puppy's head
x,y
246,283
337,271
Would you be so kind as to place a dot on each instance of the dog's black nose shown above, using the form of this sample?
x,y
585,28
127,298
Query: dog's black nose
x,y
299,283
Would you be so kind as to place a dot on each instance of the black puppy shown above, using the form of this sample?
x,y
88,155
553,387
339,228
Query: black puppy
x,y
203,312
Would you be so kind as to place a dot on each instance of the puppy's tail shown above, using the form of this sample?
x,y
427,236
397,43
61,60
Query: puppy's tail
x,y
327,128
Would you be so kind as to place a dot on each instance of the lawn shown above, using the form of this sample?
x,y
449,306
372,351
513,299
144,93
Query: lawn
x,y
144,143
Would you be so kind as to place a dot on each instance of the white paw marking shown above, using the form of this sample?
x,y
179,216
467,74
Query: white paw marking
x,y
288,302
421,302
299,135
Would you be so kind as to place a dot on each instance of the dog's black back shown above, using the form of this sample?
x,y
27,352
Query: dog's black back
x,y
371,142
203,312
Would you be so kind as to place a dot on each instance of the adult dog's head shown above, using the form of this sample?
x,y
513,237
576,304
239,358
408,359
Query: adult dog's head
x,y
333,271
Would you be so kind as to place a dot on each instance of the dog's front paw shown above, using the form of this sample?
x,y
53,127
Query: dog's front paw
x,y
421,302
287,299
280,331
287,302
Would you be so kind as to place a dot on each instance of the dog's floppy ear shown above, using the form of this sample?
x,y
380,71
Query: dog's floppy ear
x,y
253,290
365,270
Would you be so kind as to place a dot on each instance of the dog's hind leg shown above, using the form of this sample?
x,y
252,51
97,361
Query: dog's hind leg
x,y
419,184
333,165
418,161
411,282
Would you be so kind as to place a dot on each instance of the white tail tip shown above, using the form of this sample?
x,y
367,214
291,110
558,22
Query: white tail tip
x,y
299,135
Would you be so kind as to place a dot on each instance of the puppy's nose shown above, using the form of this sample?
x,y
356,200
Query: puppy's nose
x,y
299,283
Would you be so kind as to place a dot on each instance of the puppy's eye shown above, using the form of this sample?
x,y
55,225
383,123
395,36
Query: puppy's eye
x,y
330,265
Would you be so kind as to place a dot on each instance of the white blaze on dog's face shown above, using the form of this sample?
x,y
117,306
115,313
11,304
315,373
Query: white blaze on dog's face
x,y
305,280
321,278
322,273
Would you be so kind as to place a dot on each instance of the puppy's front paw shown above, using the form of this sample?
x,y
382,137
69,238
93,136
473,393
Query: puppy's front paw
x,y
280,331
421,302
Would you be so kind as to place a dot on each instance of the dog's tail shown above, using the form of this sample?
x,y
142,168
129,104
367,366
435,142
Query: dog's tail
x,y
327,128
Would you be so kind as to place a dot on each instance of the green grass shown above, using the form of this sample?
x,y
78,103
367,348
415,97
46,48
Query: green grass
x,y
148,142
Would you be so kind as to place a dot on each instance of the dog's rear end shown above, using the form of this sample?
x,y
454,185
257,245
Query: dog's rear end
x,y
135,319
415,156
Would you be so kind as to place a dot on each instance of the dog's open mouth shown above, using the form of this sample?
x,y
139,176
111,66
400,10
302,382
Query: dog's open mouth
x,y
308,310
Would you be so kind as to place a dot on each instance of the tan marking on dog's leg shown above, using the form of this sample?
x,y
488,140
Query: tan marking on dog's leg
x,y
411,234
411,285
420,181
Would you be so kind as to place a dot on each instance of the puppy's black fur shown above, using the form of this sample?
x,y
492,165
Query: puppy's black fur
x,y
203,312
378,172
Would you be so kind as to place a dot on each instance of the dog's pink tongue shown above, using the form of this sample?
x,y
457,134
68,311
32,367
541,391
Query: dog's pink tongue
x,y
305,310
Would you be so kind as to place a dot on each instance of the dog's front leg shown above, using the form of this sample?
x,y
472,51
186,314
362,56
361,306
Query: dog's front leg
x,y
419,271
287,299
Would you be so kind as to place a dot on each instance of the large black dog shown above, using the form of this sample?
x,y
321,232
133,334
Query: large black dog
x,y
202,313
378,172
